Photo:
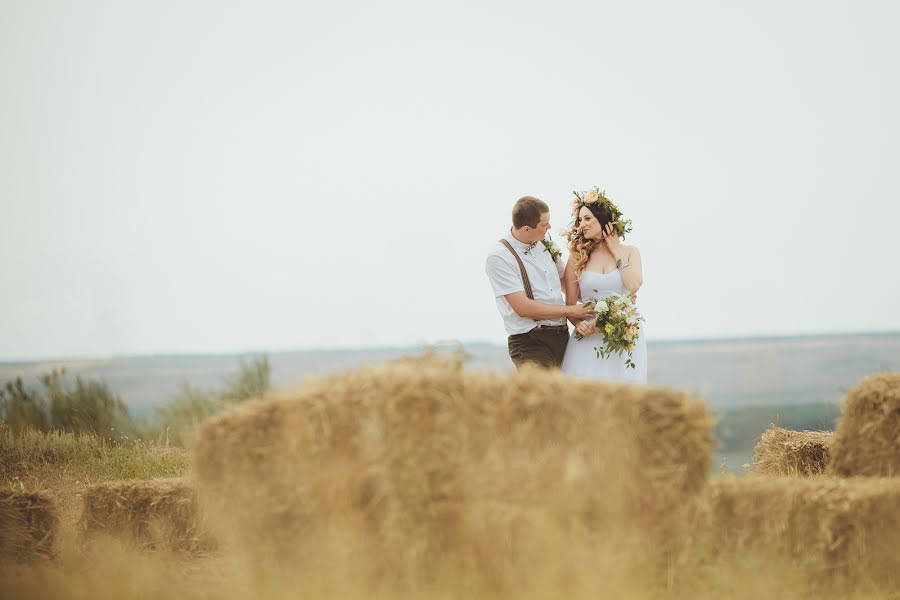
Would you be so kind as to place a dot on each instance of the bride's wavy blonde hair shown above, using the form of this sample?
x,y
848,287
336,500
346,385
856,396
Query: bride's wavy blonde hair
x,y
605,212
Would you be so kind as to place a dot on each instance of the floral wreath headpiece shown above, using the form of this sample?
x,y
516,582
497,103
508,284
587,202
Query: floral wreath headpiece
x,y
595,197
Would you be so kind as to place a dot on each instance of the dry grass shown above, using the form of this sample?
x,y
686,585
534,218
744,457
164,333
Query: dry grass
x,y
159,514
28,526
782,452
419,470
421,480
85,457
63,466
867,437
829,530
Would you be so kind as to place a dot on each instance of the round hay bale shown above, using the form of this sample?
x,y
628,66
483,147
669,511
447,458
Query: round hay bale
x,y
400,471
867,437
792,453
148,514
28,526
843,528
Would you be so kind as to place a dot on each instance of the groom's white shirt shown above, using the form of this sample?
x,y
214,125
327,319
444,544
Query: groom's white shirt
x,y
543,272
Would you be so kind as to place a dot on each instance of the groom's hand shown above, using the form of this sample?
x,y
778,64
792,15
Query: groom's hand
x,y
578,311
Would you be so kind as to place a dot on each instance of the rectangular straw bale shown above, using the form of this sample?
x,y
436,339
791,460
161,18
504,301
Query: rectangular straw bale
x,y
402,461
785,452
28,526
149,514
848,528
867,436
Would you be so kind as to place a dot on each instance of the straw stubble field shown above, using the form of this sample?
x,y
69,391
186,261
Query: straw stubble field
x,y
422,479
407,475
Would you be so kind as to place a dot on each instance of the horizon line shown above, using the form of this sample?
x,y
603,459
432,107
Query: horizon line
x,y
441,343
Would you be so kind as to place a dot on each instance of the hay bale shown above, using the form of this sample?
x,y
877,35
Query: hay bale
x,y
846,529
28,526
785,452
401,469
148,514
867,436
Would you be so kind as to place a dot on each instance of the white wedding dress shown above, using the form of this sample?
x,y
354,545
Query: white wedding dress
x,y
581,359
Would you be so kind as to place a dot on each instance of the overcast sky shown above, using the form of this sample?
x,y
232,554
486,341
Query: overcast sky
x,y
240,176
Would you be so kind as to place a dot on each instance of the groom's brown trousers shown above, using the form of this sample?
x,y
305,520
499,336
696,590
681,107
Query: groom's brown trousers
x,y
544,346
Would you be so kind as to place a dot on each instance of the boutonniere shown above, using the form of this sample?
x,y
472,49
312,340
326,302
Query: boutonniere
x,y
553,249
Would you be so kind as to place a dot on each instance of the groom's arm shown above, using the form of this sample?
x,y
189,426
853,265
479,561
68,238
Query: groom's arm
x,y
506,281
532,309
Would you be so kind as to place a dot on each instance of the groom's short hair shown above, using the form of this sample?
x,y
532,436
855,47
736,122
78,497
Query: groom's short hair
x,y
527,211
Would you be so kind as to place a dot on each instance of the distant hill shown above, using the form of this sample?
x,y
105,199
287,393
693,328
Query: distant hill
x,y
727,373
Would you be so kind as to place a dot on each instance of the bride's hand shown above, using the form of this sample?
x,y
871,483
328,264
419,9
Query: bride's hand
x,y
586,328
611,238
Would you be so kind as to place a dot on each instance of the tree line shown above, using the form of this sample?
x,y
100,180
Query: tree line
x,y
88,406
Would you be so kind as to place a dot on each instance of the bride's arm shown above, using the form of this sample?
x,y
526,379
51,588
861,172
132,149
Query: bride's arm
x,y
570,284
632,276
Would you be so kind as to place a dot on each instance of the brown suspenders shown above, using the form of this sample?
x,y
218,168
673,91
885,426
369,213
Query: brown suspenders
x,y
521,268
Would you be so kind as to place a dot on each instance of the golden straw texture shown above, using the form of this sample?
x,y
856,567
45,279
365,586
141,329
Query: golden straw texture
x,y
149,514
867,437
785,452
393,470
28,526
847,528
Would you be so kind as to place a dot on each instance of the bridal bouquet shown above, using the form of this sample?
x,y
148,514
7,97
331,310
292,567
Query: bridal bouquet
x,y
620,323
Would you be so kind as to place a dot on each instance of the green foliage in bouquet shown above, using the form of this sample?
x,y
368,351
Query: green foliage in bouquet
x,y
619,322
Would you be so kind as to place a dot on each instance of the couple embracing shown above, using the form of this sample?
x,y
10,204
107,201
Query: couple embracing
x,y
594,290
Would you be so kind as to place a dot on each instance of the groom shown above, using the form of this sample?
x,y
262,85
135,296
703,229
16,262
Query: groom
x,y
527,284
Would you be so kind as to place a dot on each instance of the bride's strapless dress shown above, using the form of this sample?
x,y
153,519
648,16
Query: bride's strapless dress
x,y
581,359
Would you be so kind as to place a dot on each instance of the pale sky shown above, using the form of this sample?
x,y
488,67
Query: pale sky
x,y
245,176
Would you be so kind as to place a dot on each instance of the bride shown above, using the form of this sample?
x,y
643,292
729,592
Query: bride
x,y
600,265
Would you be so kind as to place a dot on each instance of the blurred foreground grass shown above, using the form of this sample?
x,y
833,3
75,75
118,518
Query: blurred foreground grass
x,y
63,464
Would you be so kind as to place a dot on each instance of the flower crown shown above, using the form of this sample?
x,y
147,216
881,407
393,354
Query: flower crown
x,y
595,197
